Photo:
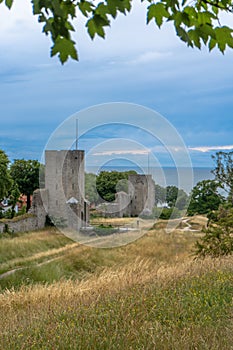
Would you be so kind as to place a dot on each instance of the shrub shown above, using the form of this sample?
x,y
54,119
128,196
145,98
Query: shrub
x,y
218,239
103,230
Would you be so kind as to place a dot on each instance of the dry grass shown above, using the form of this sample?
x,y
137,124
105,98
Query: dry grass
x,y
149,294
130,306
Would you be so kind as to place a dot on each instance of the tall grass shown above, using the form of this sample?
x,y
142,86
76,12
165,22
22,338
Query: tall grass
x,y
150,294
48,256
138,306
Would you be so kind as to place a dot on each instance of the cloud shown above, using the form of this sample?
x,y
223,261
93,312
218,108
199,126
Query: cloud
x,y
205,149
122,152
150,56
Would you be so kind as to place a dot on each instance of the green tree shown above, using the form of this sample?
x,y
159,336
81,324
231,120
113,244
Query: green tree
x,y
5,178
13,199
196,23
171,195
205,197
110,182
218,239
176,197
224,171
26,175
160,194
182,200
90,188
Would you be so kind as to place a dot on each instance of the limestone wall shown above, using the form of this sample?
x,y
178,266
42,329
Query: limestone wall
x,y
64,179
31,221
142,193
22,224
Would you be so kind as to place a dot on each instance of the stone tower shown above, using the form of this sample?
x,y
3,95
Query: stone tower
x,y
64,180
142,193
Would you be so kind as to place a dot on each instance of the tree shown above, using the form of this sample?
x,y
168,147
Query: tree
x,y
182,200
195,23
5,178
160,194
13,199
26,175
110,182
90,188
218,239
224,171
204,197
171,195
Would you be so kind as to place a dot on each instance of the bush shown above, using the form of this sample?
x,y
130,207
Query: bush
x,y
170,213
216,242
218,239
103,230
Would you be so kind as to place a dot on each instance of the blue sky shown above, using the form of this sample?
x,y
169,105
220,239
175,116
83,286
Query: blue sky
x,y
136,63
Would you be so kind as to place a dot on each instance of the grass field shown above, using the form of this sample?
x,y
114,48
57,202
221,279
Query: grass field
x,y
150,294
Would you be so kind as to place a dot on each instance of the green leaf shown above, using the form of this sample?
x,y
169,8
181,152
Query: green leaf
x,y
212,44
69,26
183,35
65,48
194,37
56,8
36,7
85,7
112,8
9,3
96,25
224,37
157,12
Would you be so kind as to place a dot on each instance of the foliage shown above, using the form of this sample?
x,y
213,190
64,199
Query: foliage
x,y
176,197
90,188
182,200
218,239
205,197
5,178
26,175
195,23
224,171
103,230
160,194
170,213
13,199
110,182
171,195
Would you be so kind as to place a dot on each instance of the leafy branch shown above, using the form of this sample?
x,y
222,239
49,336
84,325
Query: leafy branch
x,y
196,24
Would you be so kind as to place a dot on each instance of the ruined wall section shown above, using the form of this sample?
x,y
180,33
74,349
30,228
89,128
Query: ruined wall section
x,y
34,220
142,193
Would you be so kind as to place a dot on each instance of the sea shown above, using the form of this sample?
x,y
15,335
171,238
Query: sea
x,y
183,178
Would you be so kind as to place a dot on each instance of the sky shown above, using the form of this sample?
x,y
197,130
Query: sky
x,y
136,64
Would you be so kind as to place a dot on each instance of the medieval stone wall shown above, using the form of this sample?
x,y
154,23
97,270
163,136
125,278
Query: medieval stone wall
x,y
34,220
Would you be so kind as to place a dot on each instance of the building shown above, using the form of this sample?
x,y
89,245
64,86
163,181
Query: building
x,y
64,182
142,194
139,200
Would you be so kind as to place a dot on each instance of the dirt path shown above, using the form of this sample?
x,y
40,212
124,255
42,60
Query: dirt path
x,y
37,256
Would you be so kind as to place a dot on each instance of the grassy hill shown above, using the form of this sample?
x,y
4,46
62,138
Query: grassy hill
x,y
151,294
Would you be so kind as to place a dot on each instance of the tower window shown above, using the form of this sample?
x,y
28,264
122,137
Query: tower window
x,y
72,186
56,202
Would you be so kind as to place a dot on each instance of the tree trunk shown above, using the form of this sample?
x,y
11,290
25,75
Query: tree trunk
x,y
28,201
